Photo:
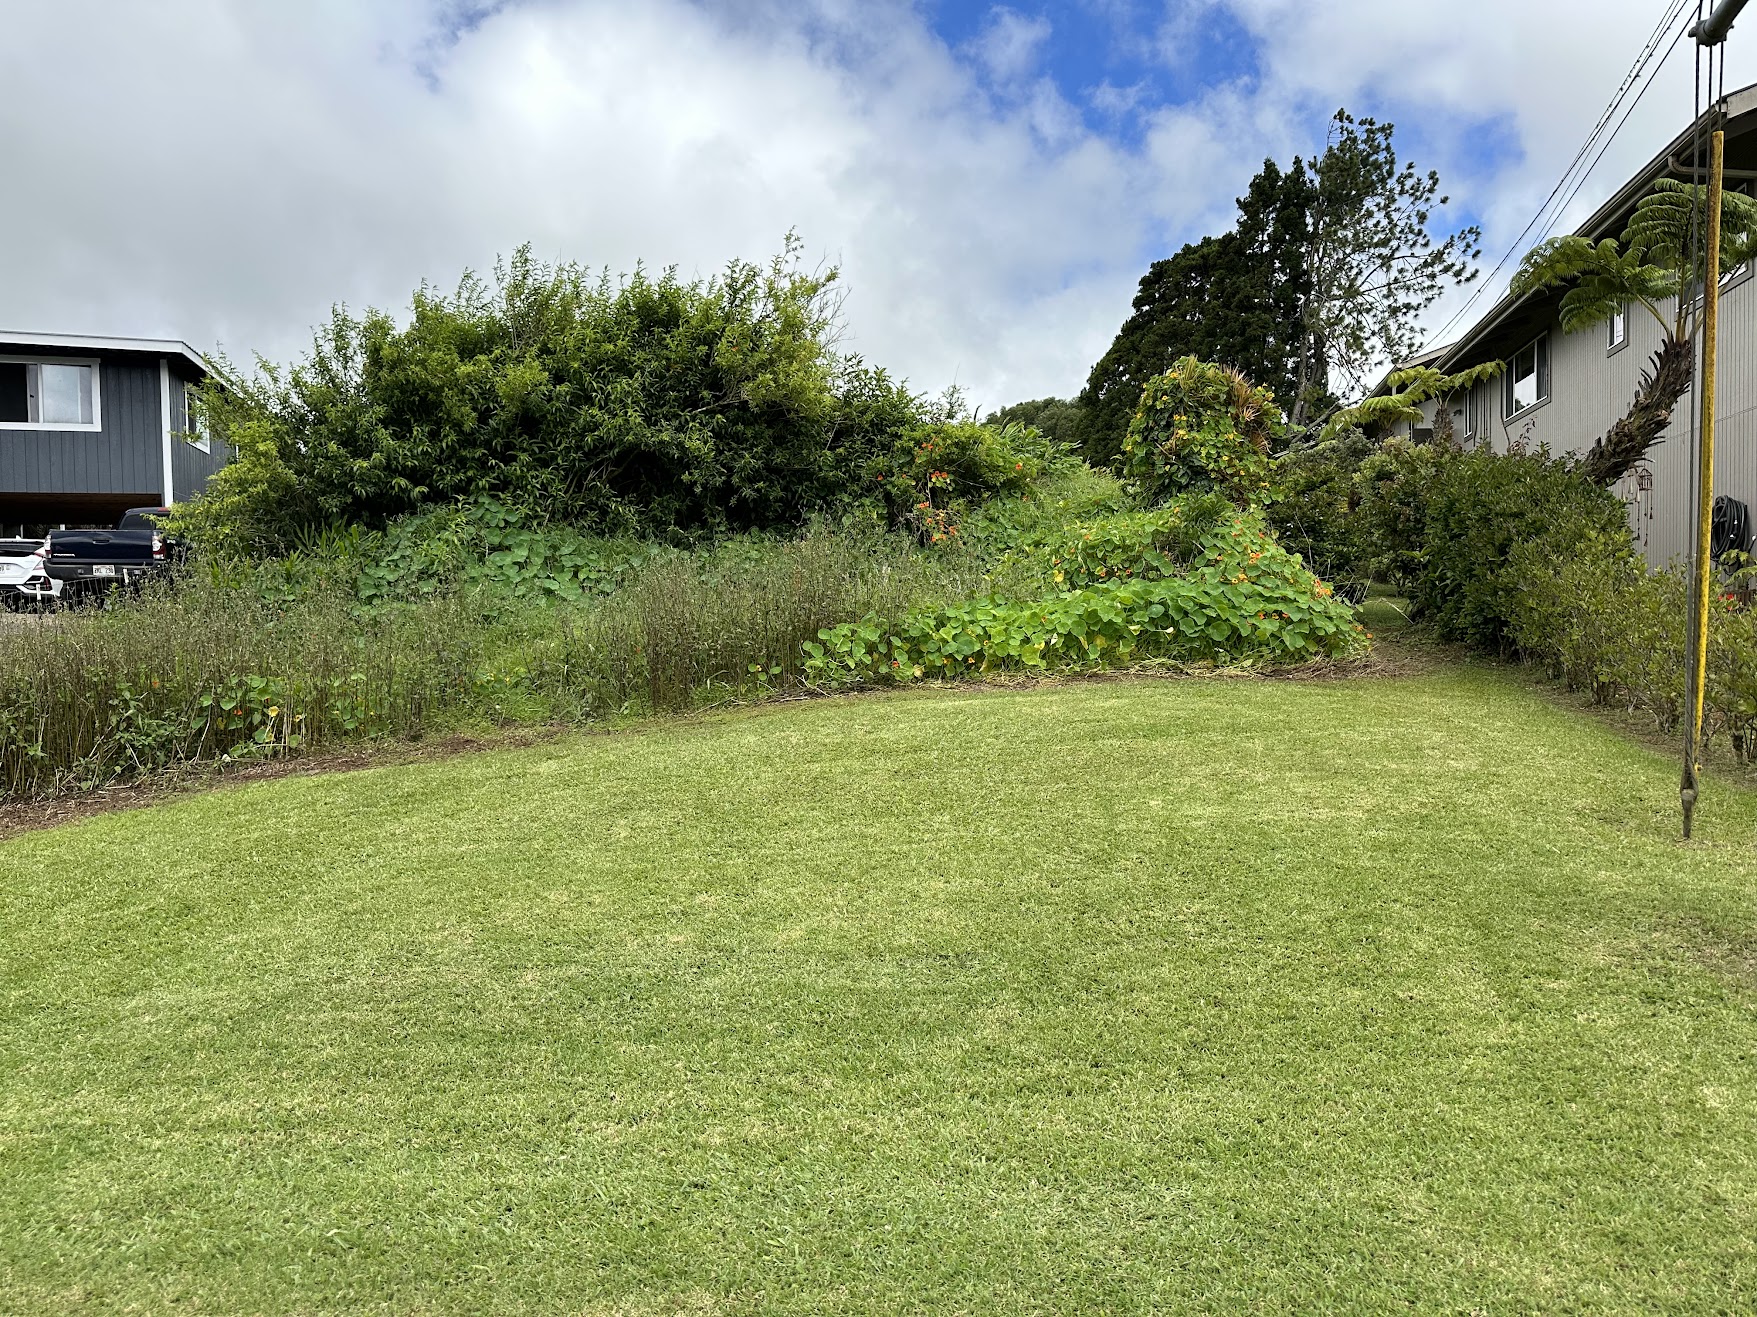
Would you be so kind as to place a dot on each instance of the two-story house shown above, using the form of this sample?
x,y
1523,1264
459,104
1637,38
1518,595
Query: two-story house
x,y
91,426
1565,390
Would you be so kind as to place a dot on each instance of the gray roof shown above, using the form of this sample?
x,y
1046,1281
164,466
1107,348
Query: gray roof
x,y
162,347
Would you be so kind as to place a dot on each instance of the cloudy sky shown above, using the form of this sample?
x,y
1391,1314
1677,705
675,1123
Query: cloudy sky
x,y
992,179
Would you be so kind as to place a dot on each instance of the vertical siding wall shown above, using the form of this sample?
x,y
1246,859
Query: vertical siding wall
x,y
190,467
124,457
1590,390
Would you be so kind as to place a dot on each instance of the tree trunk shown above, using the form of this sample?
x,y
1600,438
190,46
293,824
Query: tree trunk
x,y
1626,443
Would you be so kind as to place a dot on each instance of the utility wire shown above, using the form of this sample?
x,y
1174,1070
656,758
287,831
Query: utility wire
x,y
1580,182
1673,11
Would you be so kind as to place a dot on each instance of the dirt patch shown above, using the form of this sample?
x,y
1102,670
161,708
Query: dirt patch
x,y
1729,955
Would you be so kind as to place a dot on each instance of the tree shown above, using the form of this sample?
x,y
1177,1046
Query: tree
x,y
1656,261
1059,418
1322,280
1370,264
1234,298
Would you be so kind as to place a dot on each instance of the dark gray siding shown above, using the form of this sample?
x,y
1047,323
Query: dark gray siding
x,y
125,456
190,467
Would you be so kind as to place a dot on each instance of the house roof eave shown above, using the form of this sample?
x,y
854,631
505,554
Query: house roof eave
x,y
164,347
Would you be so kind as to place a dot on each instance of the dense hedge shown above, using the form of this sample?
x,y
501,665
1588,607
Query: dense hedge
x,y
1604,623
1476,510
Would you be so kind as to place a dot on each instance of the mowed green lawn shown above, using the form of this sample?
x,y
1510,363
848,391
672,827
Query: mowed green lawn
x,y
1352,996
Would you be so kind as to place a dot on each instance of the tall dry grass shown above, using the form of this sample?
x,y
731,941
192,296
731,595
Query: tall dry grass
x,y
205,667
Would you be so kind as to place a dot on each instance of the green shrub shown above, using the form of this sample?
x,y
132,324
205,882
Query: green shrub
x,y
646,406
1244,599
487,543
1393,486
1316,510
1199,428
935,475
1140,545
1478,507
1600,620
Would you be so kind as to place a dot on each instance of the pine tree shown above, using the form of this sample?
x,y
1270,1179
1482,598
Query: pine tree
x,y
1235,299
1371,265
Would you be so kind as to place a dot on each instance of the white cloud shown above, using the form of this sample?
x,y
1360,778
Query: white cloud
x,y
1546,69
223,170
1010,45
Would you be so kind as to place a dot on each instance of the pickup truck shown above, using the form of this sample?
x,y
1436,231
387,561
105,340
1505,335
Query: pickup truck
x,y
87,562
24,583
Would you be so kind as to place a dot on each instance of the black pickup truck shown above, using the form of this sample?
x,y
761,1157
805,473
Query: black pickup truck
x,y
96,561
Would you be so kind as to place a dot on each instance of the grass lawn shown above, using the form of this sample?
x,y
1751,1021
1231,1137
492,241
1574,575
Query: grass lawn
x,y
1358,995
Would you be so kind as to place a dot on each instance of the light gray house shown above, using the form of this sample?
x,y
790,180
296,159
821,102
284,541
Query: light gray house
x,y
1565,390
91,426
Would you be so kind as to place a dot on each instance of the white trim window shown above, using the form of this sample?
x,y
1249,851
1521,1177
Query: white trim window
x,y
1617,329
1527,378
49,393
195,429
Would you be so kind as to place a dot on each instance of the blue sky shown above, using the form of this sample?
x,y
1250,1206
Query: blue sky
x,y
1116,61
991,179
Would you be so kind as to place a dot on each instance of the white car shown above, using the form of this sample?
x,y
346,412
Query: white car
x,y
23,581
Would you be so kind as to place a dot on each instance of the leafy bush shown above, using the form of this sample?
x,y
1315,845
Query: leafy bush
x,y
1478,507
487,543
1316,511
1393,486
1141,545
935,475
652,405
1601,621
1201,427
1244,599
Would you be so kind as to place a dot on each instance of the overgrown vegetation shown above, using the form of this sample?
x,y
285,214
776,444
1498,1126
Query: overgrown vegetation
x,y
652,406
235,661
1196,583
1198,428
1325,275
551,498
1601,621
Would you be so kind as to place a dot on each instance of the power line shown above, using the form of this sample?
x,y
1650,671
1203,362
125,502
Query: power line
x,y
1671,14
1619,128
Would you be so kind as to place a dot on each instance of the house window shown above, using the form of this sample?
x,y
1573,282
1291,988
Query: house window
x,y
194,423
1528,378
1618,332
1476,414
48,395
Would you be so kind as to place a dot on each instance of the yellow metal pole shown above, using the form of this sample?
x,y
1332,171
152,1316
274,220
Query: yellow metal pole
x,y
1704,485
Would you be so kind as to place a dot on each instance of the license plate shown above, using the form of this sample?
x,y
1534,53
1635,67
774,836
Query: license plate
x,y
104,569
